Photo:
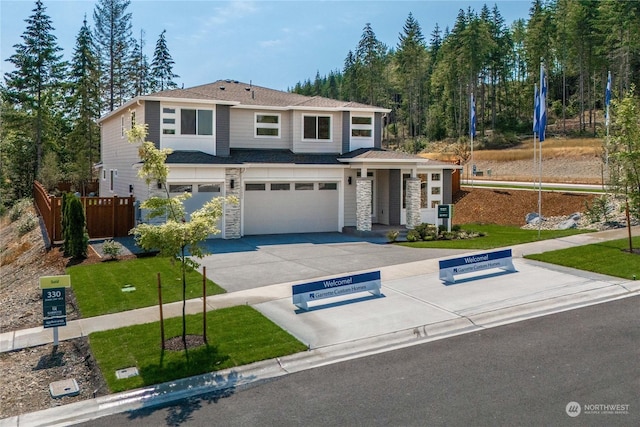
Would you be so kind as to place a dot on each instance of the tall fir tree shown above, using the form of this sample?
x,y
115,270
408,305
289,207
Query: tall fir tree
x,y
410,57
162,66
83,143
33,89
371,56
140,70
113,36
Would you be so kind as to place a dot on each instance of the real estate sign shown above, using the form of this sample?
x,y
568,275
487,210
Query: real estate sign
x,y
365,282
54,309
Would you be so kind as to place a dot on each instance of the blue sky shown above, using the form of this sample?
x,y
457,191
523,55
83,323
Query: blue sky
x,y
271,43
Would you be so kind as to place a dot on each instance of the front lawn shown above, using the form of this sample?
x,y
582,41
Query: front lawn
x,y
494,236
99,287
237,336
611,258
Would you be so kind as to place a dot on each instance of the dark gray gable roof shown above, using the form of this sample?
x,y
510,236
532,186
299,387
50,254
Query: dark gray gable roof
x,y
241,156
246,156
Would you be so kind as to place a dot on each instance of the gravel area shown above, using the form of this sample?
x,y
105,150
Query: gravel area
x,y
26,374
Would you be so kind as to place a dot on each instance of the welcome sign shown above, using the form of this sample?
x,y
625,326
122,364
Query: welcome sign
x,y
470,264
306,292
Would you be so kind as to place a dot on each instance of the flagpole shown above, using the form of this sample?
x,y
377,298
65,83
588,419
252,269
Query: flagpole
x,y
535,130
541,135
472,131
607,119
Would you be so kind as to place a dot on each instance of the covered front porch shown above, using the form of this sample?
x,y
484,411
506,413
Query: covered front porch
x,y
390,190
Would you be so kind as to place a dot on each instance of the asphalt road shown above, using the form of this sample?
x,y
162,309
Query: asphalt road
x,y
525,373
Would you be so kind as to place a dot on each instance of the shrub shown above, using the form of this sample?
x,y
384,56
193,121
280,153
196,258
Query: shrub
x,y
413,236
19,209
112,248
76,239
599,210
26,223
427,231
392,235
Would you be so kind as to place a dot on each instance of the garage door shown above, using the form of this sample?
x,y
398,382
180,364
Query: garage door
x,y
291,207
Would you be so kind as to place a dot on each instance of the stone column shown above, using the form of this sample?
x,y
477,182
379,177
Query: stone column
x,y
232,211
413,203
363,204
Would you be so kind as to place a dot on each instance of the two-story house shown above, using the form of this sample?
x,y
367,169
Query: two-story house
x,y
296,163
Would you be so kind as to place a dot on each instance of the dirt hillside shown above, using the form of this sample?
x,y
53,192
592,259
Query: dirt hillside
x,y
509,207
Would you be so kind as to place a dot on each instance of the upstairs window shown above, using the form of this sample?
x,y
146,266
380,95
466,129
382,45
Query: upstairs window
x,y
196,122
267,125
361,127
316,128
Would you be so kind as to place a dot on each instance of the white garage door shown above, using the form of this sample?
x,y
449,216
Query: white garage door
x,y
296,207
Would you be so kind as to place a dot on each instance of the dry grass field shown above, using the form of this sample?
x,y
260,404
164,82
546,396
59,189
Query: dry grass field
x,y
567,160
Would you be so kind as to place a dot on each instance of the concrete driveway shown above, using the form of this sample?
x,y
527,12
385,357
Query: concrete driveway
x,y
256,261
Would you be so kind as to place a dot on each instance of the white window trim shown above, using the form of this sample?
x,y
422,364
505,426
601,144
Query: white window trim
x,y
267,125
316,139
122,126
361,127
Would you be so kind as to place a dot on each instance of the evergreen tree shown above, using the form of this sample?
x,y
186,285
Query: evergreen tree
x,y
113,36
410,57
162,66
142,80
83,143
371,56
33,87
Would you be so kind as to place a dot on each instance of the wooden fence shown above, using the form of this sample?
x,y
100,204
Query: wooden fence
x,y
106,216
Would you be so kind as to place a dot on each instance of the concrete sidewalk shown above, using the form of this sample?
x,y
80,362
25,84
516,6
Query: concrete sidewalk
x,y
415,307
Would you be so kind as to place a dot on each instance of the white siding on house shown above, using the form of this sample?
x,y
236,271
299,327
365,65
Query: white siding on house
x,y
350,198
332,146
243,130
192,173
117,153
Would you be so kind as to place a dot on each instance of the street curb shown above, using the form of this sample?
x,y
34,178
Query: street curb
x,y
229,379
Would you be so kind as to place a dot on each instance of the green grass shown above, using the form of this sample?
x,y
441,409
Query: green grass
x,y
496,236
237,336
608,258
98,287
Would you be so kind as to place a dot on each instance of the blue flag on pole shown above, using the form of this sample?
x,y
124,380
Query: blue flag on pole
x,y
542,121
536,108
472,117
607,99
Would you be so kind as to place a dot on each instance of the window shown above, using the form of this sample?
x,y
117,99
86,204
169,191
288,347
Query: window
x,y
168,121
196,122
435,177
316,128
122,126
208,188
104,174
180,188
267,125
304,185
112,178
328,186
280,187
434,204
133,119
254,187
361,127
435,190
